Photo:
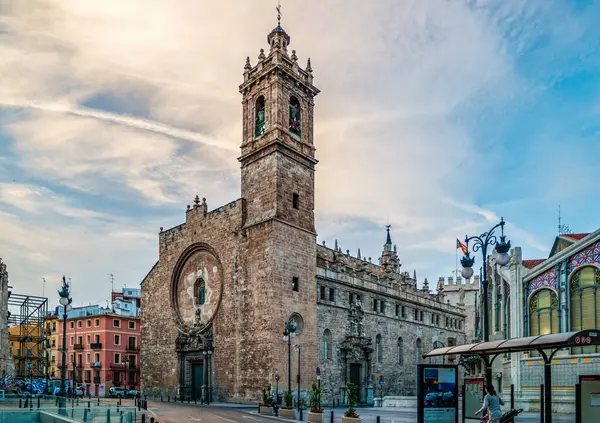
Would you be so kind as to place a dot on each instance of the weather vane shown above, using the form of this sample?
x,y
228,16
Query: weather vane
x,y
278,8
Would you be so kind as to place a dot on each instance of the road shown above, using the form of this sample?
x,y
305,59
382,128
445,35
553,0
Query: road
x,y
180,413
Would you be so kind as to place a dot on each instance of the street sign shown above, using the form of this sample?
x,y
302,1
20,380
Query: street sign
x,y
318,371
318,377
276,377
381,380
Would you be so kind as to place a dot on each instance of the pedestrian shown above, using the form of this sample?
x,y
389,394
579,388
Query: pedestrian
x,y
492,402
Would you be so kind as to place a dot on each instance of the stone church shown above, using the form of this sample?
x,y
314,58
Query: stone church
x,y
227,281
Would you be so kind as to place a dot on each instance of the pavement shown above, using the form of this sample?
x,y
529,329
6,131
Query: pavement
x,y
238,413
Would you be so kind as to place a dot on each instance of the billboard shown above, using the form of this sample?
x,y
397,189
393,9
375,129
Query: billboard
x,y
589,400
437,399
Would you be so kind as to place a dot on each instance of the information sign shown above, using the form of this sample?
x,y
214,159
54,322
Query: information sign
x,y
473,398
438,394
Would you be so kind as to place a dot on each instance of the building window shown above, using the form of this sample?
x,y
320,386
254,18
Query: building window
x,y
331,294
71,340
87,358
397,310
327,344
295,283
403,311
97,323
117,358
357,297
79,324
585,303
88,323
97,358
432,319
116,323
117,339
296,200
382,306
437,319
259,117
378,352
322,292
80,340
295,118
131,325
375,308
72,325
97,339
200,291
421,316
351,298
543,313
400,351
416,315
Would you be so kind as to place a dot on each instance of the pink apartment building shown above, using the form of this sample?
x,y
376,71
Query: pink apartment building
x,y
103,350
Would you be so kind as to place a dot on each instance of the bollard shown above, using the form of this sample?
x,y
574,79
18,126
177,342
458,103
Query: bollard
x,y
168,398
121,418
258,408
378,419
331,418
301,419
38,402
98,401
85,413
20,403
139,406
161,398
143,418
108,415
89,404
151,419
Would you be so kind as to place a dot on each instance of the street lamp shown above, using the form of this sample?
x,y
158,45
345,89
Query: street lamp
x,y
65,300
297,349
288,332
481,243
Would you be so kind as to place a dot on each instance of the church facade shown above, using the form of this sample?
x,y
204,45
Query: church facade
x,y
227,281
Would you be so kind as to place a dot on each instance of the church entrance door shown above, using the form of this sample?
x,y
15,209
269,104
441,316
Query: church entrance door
x,y
355,378
197,380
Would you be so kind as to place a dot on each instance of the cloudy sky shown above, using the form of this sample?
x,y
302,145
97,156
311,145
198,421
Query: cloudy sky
x,y
437,116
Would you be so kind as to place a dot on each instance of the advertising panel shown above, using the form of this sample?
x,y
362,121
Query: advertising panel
x,y
473,398
590,399
438,393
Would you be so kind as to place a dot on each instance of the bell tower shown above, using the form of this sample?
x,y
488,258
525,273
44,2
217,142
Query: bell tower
x,y
278,154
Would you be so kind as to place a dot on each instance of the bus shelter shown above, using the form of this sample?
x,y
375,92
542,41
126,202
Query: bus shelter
x,y
546,345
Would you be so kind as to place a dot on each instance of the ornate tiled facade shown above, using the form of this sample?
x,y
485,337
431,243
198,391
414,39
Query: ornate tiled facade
x,y
590,255
548,279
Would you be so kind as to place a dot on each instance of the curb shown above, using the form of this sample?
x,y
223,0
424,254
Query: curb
x,y
281,419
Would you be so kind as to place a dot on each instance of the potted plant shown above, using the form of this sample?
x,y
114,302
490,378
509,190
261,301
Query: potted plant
x,y
350,415
266,406
287,411
315,415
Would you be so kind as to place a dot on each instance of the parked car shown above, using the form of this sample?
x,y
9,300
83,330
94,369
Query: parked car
x,y
117,392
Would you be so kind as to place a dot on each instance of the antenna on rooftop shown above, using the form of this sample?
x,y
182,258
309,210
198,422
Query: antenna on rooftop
x,y
112,282
562,228
43,286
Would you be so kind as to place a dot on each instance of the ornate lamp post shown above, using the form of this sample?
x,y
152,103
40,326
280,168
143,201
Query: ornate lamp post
x,y
297,349
65,300
481,243
288,332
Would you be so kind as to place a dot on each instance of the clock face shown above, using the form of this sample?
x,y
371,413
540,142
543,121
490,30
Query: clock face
x,y
197,287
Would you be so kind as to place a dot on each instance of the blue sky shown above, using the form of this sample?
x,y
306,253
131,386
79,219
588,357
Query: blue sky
x,y
437,116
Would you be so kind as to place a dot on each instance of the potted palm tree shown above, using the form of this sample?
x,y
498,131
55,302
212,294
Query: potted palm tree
x,y
315,415
266,406
287,411
350,415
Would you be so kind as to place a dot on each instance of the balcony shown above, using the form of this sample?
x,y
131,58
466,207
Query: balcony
x,y
96,346
96,379
79,366
78,346
97,364
132,348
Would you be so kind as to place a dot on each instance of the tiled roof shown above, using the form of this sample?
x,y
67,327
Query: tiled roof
x,y
576,237
530,264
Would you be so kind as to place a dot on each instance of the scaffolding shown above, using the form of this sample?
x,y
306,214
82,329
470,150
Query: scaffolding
x,y
29,313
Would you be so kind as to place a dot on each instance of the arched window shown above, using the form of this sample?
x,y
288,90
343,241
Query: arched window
x,y
378,348
543,313
585,303
419,350
400,351
327,344
200,291
259,117
295,116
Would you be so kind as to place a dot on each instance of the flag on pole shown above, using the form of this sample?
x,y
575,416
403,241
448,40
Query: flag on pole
x,y
462,246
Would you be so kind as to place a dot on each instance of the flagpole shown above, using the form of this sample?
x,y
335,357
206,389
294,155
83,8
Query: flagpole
x,y
456,263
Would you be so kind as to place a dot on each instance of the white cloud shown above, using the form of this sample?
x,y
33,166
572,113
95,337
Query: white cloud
x,y
389,143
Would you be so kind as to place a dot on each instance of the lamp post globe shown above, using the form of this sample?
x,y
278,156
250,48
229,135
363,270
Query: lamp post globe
x,y
467,272
503,259
64,301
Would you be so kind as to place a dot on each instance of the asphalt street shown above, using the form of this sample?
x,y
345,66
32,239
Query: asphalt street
x,y
178,413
